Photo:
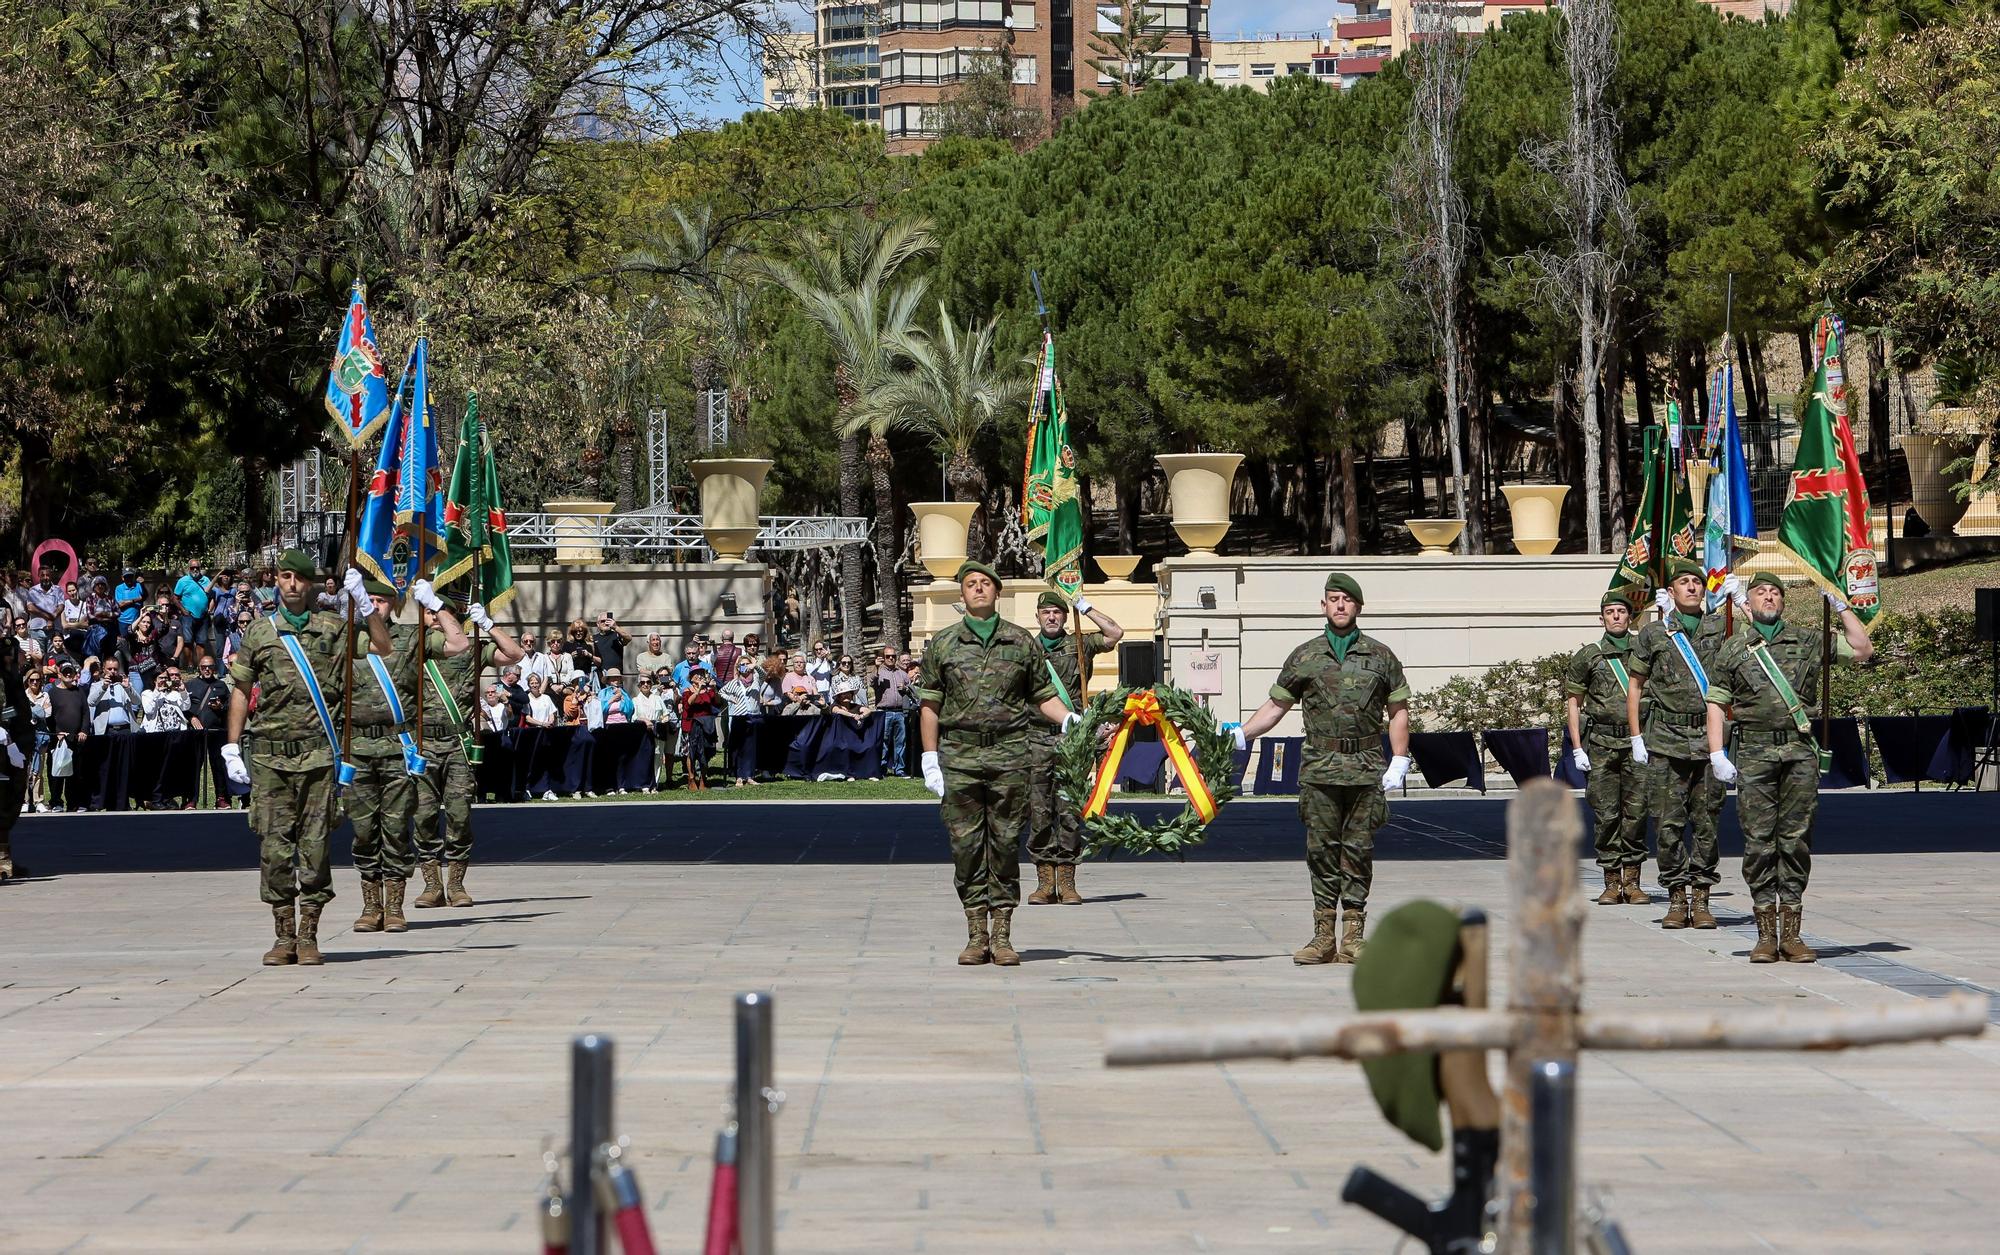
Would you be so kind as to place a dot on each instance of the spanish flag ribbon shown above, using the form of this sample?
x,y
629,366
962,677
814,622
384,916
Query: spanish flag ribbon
x,y
1143,707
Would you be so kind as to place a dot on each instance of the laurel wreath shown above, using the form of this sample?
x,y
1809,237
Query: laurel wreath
x,y
1214,752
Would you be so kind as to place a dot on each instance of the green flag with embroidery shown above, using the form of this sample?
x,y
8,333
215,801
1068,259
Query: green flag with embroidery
x,y
1049,504
1825,524
475,525
1663,525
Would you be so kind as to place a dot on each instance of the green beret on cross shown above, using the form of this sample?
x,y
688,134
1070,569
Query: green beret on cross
x,y
1408,965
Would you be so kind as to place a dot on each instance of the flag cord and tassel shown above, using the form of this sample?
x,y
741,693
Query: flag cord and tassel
x,y
353,616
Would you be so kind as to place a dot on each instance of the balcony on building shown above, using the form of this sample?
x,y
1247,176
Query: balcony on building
x,y
1360,64
1366,28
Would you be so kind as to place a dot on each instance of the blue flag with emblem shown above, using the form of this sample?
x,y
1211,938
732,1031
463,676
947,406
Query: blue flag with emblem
x,y
357,386
400,537
1731,521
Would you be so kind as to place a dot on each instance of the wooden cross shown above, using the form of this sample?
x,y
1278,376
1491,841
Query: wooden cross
x,y
1542,1023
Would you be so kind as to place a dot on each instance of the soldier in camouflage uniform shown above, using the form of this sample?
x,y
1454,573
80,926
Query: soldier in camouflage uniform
x,y
1776,755
291,769
985,684
17,741
1052,827
447,785
382,799
1351,686
1595,686
1682,791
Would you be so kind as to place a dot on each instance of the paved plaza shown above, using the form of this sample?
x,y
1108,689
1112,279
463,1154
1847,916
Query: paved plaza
x,y
160,1091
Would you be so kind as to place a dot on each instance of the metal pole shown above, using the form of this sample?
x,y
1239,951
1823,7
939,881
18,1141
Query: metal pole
x,y
755,1103
1552,1166
589,1130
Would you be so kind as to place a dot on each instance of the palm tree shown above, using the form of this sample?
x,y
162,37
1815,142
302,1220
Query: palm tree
x,y
951,392
712,280
846,281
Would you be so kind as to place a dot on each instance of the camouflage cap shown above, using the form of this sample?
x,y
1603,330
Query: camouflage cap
x,y
299,562
969,567
1407,965
1345,583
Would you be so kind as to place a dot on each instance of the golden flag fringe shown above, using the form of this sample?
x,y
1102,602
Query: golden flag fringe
x,y
1143,707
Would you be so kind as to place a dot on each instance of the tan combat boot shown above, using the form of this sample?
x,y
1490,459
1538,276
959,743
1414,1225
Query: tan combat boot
x,y
975,951
1790,948
454,883
370,919
285,949
1352,921
1614,887
1322,948
1066,885
1698,912
1677,908
309,955
1766,949
433,894
1635,894
392,906
1002,944
1045,885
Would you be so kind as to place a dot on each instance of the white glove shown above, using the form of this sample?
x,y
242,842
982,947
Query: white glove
x,y
1664,600
1580,760
1725,770
933,774
1082,606
1070,720
1639,750
1399,771
1732,588
360,604
476,615
1838,605
427,596
232,764
1236,735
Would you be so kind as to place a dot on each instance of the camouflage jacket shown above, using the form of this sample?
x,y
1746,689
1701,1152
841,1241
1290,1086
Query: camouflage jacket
x,y
1344,705
1676,712
985,693
1738,679
285,713
458,677
1062,656
1594,682
371,707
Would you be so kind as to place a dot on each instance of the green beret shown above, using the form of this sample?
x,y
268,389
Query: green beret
x,y
1616,597
1677,567
1765,577
378,588
1346,584
299,562
1407,965
1051,599
969,567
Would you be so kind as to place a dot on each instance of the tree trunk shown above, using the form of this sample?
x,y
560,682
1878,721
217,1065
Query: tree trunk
x,y
1568,437
1416,469
852,594
1756,393
1614,442
1263,487
1475,505
1333,517
888,587
1587,384
1878,403
1350,498
253,508
1128,515
1312,518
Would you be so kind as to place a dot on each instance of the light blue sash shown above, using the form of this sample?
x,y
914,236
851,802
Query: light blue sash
x,y
413,762
1686,649
297,654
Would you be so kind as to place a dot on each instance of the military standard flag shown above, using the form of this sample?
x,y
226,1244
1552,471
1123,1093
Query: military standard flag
x,y
357,386
1825,524
401,534
1663,525
1049,504
1731,521
475,526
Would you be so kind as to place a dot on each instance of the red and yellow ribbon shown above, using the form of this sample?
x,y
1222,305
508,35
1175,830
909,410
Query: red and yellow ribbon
x,y
1143,707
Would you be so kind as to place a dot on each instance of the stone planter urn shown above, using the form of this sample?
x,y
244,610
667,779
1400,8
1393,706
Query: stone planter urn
x,y
730,488
577,525
942,529
1930,487
1698,474
1118,567
1437,536
1198,495
1537,512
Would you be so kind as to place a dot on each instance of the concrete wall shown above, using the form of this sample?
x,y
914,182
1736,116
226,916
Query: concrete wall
x,y
1443,616
675,601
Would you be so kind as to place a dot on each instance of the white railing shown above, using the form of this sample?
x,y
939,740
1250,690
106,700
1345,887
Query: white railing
x,y
646,531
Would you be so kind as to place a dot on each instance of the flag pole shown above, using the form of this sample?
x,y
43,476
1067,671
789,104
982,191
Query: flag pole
x,y
347,657
1082,659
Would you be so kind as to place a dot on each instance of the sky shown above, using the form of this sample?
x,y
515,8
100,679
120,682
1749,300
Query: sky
x,y
741,86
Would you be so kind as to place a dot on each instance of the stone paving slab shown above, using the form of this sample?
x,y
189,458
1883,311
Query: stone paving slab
x,y
159,1091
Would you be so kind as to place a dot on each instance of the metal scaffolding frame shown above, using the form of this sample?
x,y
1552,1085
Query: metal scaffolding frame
x,y
662,531
659,460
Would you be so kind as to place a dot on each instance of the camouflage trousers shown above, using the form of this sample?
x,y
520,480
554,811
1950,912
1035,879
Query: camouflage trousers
x,y
1777,794
1341,820
1616,791
292,811
13,793
445,789
1686,797
1054,830
983,808
381,801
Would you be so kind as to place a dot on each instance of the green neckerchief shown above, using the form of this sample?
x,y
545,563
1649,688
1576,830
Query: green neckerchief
x,y
1689,622
1619,644
298,621
984,628
1049,642
1769,631
1340,644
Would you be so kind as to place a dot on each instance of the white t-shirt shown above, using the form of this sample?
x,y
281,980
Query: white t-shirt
x,y
541,710
538,664
498,717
